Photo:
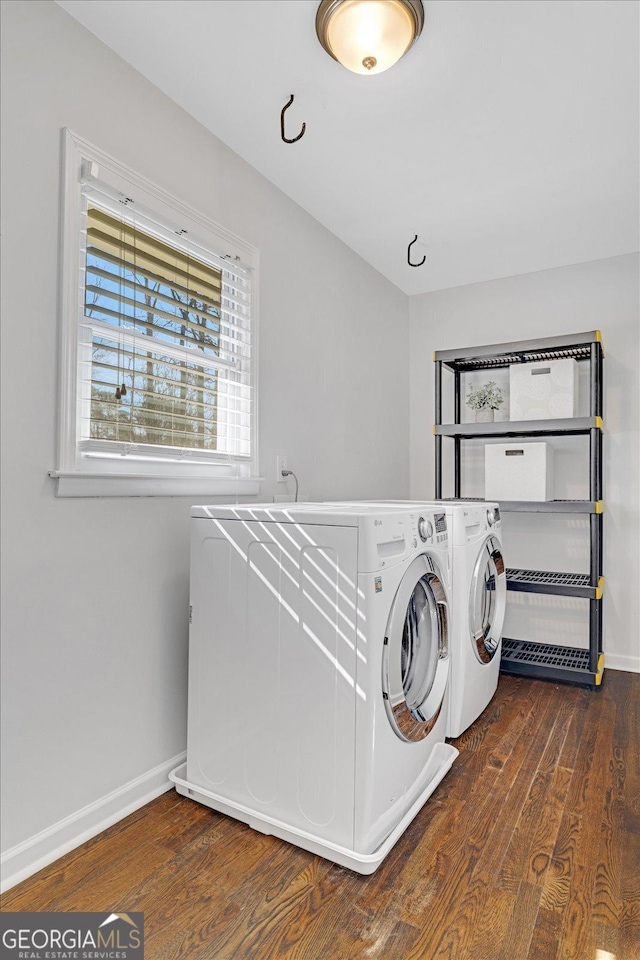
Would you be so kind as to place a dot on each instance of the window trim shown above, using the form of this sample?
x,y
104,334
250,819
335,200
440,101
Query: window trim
x,y
81,475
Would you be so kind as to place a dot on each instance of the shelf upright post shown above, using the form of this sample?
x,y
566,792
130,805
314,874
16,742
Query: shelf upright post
x,y
438,421
600,375
595,539
595,493
594,391
457,442
600,413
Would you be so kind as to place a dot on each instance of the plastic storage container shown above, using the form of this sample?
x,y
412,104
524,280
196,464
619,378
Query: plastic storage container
x,y
518,471
542,391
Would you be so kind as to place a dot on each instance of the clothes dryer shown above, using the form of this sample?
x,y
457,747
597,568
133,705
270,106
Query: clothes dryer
x,y
479,597
319,671
478,604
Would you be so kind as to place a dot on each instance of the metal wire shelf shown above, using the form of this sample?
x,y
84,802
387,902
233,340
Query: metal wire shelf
x,y
526,652
538,506
565,664
520,428
548,581
489,363
488,357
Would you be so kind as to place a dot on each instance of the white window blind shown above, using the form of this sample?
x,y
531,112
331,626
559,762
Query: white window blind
x,y
157,340
165,340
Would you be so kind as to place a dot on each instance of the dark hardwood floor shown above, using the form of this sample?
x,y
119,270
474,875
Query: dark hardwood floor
x,y
528,850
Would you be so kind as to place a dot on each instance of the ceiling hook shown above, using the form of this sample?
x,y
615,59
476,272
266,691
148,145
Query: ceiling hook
x,y
304,126
409,254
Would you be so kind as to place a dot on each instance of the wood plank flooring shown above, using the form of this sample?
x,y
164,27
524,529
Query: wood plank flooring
x,y
528,850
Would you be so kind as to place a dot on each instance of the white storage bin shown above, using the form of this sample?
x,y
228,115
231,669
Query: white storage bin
x,y
545,390
518,471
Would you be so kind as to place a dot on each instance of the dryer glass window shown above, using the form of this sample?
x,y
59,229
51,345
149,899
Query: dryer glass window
x,y
420,647
415,661
488,601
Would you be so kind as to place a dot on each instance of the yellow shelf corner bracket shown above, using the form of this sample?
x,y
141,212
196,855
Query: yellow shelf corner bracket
x,y
600,670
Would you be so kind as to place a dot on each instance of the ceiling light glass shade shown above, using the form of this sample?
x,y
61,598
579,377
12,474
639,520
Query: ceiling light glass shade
x,y
368,36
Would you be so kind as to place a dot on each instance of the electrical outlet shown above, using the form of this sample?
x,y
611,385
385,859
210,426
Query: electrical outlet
x,y
282,463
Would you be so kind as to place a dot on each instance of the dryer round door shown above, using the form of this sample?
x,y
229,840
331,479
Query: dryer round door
x,y
488,600
415,661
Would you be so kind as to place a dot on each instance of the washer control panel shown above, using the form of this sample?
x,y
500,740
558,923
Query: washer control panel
x,y
429,528
440,520
388,538
425,529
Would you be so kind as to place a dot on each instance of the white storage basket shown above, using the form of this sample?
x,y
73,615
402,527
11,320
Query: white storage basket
x,y
518,471
541,391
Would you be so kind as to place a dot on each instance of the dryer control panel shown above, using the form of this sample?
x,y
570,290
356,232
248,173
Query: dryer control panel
x,y
481,519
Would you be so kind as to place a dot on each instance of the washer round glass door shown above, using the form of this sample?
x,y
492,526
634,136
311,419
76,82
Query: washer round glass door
x,y
415,661
488,600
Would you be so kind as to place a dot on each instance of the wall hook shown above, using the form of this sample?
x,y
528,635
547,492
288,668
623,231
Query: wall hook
x,y
409,254
304,126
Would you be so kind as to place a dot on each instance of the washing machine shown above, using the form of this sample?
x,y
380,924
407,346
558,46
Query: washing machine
x,y
478,604
479,598
319,671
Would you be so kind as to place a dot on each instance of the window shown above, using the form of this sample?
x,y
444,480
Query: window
x,y
158,322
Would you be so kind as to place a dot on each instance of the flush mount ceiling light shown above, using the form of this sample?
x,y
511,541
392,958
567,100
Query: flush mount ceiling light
x,y
368,36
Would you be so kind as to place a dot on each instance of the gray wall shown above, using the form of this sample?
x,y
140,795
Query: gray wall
x,y
602,295
94,617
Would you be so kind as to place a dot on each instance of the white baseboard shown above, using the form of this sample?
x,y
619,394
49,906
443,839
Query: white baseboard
x,y
619,661
38,851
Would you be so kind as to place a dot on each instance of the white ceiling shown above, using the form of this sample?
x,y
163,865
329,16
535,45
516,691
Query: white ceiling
x,y
507,138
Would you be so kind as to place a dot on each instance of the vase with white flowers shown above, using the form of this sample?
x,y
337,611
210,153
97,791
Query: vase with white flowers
x,y
485,400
